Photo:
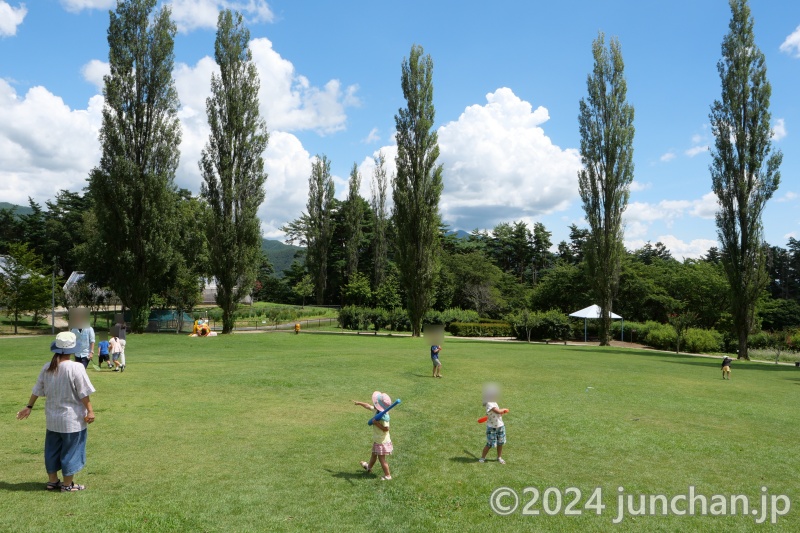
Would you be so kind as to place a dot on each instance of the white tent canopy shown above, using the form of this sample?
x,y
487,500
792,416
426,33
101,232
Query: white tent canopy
x,y
593,312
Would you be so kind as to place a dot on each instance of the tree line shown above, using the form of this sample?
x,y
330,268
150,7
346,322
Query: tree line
x,y
362,252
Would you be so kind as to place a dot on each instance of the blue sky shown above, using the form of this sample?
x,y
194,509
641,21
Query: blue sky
x,y
508,77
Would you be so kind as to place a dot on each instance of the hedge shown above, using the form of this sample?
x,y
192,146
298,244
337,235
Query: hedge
x,y
475,329
545,325
363,318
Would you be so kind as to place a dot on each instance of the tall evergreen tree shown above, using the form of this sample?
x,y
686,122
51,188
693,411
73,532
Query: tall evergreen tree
x,y
319,224
417,187
354,216
232,165
606,129
133,187
744,168
380,221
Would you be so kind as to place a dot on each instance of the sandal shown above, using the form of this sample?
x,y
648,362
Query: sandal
x,y
53,485
386,478
365,466
72,488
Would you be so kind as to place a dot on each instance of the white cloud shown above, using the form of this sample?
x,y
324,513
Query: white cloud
x,y
10,18
696,150
194,14
790,235
639,216
706,207
93,72
371,137
288,165
694,249
499,164
791,45
697,138
637,186
44,145
788,197
779,130
79,5
667,157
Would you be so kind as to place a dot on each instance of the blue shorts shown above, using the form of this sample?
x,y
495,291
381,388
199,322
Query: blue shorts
x,y
65,452
495,436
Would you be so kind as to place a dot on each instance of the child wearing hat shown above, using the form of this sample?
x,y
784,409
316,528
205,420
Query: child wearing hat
x,y
381,441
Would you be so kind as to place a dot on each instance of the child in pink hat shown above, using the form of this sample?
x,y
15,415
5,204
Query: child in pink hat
x,y
381,441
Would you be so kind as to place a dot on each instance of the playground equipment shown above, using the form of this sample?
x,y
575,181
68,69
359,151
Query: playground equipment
x,y
202,329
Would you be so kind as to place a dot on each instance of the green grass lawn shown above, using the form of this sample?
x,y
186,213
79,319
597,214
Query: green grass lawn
x,y
257,433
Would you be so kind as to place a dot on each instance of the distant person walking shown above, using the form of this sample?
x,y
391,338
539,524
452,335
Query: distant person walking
x,y
123,329
85,339
68,411
115,348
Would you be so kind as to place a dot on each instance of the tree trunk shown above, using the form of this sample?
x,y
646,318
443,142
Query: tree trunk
x,y
139,316
743,345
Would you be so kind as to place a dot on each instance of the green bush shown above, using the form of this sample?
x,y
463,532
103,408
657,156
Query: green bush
x,y
543,325
697,340
661,337
474,329
759,340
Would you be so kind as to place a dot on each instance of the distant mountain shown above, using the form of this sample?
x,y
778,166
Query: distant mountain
x,y
459,233
21,209
280,254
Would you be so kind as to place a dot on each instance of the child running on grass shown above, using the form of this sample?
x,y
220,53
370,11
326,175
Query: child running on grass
x,y
726,367
381,441
437,365
102,352
116,349
495,428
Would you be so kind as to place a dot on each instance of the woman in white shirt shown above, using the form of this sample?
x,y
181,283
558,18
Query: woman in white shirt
x,y
67,410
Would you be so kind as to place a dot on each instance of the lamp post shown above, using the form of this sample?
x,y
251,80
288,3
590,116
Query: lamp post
x,y
53,314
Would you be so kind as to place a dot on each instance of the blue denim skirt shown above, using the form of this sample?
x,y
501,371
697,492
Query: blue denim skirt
x,y
65,452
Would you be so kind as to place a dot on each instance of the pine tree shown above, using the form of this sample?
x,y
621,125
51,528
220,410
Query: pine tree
x,y
744,168
232,165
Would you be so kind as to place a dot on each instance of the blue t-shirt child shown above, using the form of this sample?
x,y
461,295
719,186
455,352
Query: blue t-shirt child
x,y
435,352
103,347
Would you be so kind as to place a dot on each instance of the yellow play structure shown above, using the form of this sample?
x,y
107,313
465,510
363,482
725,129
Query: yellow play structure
x,y
202,329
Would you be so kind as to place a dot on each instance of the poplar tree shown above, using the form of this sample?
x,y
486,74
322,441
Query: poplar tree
x,y
417,187
354,217
232,166
380,220
606,130
318,224
744,167
133,186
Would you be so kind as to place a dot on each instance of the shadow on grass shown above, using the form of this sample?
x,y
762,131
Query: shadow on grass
x,y
29,486
742,365
690,359
350,476
469,458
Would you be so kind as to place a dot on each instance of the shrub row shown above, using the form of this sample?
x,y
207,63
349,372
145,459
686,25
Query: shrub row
x,y
364,318
475,329
664,337
543,325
